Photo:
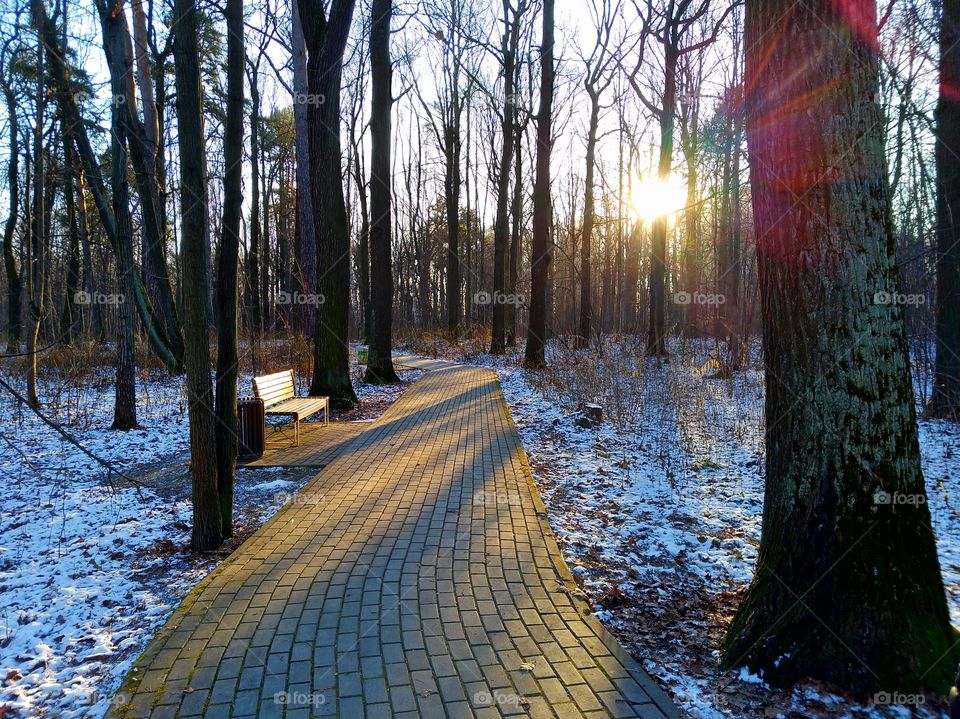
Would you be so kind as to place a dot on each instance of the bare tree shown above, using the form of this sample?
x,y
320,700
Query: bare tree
x,y
305,251
8,59
36,274
227,290
541,253
597,78
670,25
60,77
326,38
380,360
509,46
207,513
447,22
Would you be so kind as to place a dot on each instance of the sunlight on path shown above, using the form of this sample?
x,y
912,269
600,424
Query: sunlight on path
x,y
415,576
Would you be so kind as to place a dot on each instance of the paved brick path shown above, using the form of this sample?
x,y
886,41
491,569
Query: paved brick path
x,y
416,576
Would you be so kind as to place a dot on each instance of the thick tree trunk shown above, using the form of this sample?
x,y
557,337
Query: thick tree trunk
x,y
541,251
945,400
380,359
848,586
207,516
326,39
14,285
227,269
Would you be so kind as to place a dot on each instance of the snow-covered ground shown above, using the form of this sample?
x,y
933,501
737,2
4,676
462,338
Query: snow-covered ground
x,y
88,573
658,512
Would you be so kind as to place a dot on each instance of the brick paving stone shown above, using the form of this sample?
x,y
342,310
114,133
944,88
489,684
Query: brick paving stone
x,y
419,580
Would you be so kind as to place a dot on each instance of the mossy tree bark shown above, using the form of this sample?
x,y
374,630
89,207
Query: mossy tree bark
x,y
847,586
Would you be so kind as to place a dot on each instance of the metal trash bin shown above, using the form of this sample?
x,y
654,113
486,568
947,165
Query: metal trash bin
x,y
250,428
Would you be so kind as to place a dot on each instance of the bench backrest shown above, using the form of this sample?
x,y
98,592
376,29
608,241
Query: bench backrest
x,y
274,388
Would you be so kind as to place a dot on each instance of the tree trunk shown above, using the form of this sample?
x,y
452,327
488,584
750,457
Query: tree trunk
x,y
35,276
501,227
515,237
266,307
254,315
586,288
59,76
848,586
72,281
305,245
228,268
363,259
452,197
945,400
657,328
326,39
541,251
691,240
144,138
380,359
207,517
14,285
730,237
142,145
125,405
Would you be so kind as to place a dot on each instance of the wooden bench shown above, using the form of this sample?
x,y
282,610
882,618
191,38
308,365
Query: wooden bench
x,y
280,398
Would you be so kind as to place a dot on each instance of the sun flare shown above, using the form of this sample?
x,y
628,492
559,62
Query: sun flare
x,y
655,197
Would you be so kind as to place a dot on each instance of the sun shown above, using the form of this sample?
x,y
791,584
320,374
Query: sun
x,y
655,197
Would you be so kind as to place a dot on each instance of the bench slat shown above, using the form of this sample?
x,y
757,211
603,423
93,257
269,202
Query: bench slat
x,y
285,376
272,382
274,388
301,406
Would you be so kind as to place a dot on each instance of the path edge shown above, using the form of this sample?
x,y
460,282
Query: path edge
x,y
656,693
